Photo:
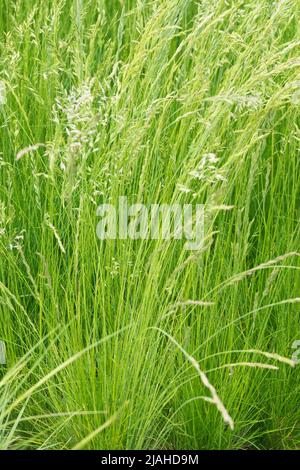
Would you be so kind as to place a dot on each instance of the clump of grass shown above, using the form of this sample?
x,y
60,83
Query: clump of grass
x,y
164,101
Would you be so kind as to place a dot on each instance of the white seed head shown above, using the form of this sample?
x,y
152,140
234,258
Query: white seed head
x,y
2,93
183,189
295,98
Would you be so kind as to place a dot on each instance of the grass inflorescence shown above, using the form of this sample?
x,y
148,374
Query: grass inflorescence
x,y
136,344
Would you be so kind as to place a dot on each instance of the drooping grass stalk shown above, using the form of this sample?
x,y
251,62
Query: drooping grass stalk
x,y
164,102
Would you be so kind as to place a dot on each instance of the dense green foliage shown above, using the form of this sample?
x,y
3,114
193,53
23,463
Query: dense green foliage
x,y
104,98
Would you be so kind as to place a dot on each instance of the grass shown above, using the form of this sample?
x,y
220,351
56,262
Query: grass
x,y
141,344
